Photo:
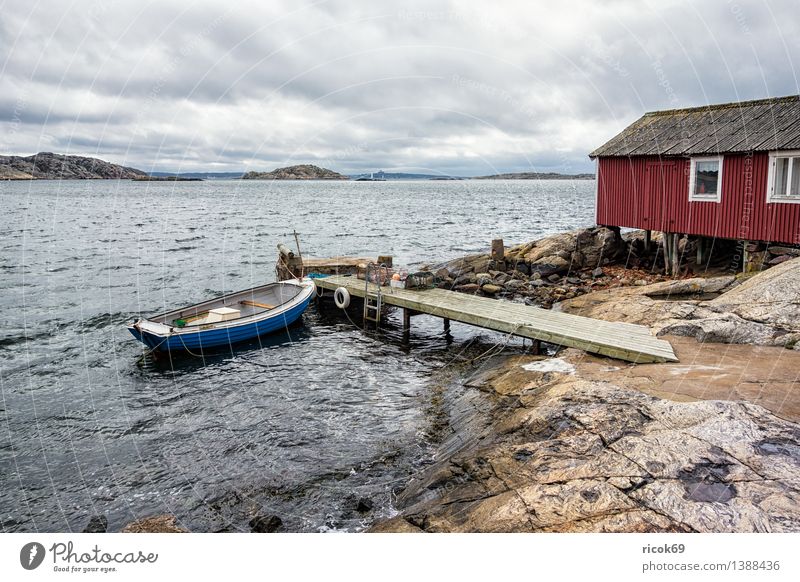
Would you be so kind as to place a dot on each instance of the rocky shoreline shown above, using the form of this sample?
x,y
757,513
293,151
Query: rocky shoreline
x,y
581,443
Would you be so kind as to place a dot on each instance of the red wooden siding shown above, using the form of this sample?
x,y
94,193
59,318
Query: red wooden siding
x,y
652,193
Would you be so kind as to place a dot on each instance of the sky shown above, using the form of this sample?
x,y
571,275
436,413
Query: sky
x,y
461,88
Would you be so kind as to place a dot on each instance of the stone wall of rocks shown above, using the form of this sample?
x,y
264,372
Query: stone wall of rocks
x,y
554,268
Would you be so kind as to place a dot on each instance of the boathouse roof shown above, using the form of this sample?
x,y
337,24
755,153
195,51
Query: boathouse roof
x,y
745,126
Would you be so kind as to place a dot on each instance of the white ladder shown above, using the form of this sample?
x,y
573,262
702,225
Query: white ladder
x,y
373,301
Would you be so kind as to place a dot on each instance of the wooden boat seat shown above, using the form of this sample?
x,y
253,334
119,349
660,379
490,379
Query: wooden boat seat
x,y
257,304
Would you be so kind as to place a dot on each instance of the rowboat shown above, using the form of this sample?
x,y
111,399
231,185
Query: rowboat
x,y
228,319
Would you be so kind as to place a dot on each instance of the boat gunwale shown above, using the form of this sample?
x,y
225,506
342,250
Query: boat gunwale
x,y
299,298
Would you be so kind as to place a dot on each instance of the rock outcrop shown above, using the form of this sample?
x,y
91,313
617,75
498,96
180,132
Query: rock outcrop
x,y
574,454
583,443
301,172
763,309
49,166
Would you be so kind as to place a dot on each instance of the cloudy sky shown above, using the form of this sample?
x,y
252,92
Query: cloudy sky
x,y
457,87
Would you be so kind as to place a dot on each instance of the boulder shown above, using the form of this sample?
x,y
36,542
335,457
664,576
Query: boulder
x,y
780,259
155,524
364,505
97,524
266,524
771,297
491,288
483,278
694,286
466,279
470,288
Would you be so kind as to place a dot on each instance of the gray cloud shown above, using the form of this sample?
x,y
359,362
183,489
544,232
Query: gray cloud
x,y
456,87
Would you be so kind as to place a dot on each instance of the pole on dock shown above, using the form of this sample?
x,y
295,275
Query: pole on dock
x,y
299,254
446,325
498,250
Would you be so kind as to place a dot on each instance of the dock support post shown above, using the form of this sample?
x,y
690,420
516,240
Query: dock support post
x,y
446,325
745,256
666,242
406,319
701,251
647,240
536,347
676,259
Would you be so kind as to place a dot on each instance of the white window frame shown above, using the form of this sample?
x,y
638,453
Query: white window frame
x,y
716,197
772,197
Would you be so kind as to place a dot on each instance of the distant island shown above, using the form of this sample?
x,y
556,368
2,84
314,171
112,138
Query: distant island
x,y
199,175
152,178
381,176
50,166
536,176
301,172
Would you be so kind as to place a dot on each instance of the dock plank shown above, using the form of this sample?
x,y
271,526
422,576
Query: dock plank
x,y
625,341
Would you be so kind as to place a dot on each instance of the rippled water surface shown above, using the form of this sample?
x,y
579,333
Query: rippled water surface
x,y
299,424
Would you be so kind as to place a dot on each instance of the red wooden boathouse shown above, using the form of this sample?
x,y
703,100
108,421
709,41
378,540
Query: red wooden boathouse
x,y
725,171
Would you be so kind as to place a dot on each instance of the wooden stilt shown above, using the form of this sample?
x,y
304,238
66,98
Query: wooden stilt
x,y
676,258
536,347
745,256
446,325
699,244
647,240
667,243
406,319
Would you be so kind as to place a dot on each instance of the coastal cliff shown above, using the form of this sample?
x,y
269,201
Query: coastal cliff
x,y
50,166
582,443
301,172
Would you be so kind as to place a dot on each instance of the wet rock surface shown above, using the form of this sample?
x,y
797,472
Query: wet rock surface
x,y
567,453
155,524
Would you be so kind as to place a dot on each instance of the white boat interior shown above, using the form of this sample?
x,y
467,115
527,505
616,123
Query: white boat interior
x,y
235,306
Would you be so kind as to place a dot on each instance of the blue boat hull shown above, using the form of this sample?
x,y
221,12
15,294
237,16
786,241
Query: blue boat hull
x,y
211,338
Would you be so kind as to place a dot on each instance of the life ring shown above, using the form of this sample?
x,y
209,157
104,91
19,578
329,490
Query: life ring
x,y
341,297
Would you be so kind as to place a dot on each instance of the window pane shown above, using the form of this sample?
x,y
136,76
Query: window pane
x,y
706,177
781,175
795,187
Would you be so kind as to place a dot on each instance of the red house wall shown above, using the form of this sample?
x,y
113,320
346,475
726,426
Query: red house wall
x,y
653,193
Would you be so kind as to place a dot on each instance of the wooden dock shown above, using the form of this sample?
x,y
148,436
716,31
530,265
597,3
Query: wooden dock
x,y
625,341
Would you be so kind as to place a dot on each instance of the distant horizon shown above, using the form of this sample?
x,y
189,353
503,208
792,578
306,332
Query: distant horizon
x,y
203,169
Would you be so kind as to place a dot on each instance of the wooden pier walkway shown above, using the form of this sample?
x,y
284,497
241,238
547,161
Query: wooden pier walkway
x,y
625,341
